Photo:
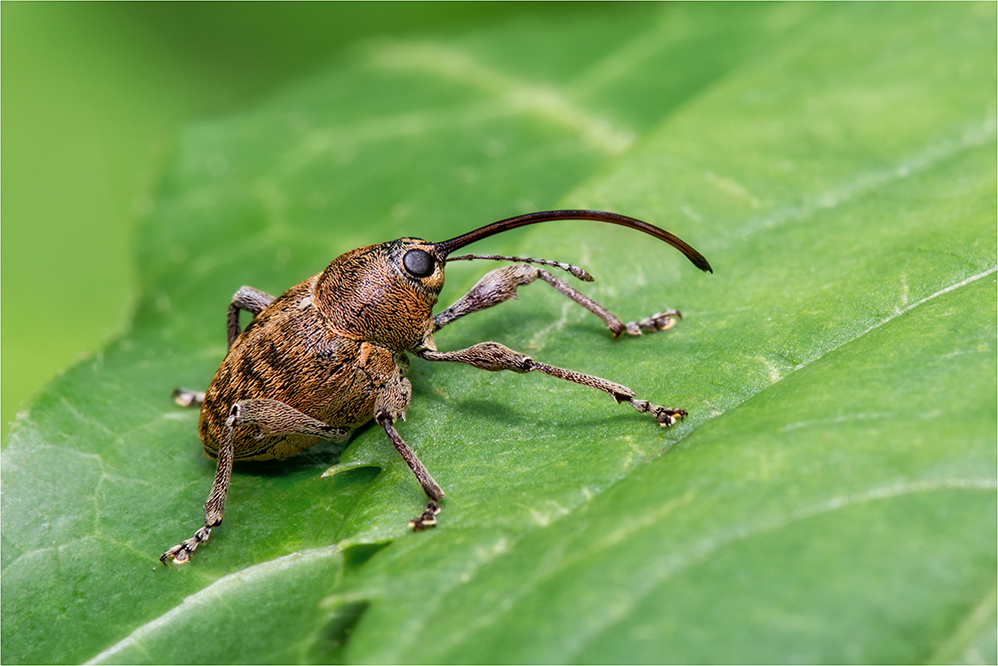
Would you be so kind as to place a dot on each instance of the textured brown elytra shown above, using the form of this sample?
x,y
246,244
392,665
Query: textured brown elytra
x,y
329,354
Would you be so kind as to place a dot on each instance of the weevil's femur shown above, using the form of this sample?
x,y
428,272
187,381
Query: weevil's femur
x,y
444,248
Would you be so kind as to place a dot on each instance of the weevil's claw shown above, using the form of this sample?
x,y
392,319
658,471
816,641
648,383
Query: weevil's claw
x,y
660,321
428,518
181,553
666,416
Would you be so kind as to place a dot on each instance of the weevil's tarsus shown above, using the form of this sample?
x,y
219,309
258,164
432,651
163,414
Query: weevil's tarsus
x,y
181,553
580,273
666,416
427,519
247,298
187,398
660,321
444,248
430,487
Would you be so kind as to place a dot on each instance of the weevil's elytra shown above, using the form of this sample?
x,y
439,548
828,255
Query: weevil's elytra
x,y
330,354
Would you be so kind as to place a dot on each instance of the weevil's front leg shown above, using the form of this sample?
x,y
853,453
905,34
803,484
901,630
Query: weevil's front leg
x,y
249,299
494,357
500,285
270,418
660,321
391,405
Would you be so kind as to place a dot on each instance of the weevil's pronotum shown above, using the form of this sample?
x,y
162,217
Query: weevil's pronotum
x,y
329,354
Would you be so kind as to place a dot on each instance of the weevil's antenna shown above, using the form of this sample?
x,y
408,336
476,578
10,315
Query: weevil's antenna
x,y
444,248
580,273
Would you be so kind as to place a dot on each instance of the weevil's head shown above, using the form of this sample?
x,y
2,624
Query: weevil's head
x,y
385,293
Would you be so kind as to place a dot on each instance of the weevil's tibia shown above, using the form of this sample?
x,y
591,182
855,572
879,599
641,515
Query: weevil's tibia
x,y
180,553
666,416
659,321
430,487
500,285
495,357
247,298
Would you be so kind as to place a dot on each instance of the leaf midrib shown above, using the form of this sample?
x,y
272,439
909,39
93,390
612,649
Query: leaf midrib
x,y
216,589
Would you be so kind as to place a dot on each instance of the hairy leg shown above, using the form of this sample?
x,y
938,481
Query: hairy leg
x,y
270,417
495,357
500,285
391,405
249,299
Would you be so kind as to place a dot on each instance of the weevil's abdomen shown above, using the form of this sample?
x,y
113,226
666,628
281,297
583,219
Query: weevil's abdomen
x,y
288,354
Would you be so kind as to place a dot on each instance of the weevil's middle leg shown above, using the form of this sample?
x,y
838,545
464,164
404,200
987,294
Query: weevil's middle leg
x,y
391,404
432,489
500,285
494,357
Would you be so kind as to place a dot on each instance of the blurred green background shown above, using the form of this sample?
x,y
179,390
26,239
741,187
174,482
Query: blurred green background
x,y
93,96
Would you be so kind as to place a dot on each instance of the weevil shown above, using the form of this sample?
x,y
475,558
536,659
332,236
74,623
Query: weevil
x,y
330,354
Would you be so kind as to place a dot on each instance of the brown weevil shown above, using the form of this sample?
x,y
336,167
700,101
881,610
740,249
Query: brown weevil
x,y
329,354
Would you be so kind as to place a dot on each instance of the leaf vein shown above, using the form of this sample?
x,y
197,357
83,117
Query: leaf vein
x,y
520,95
972,137
701,551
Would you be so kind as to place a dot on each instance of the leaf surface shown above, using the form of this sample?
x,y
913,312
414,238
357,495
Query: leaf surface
x,y
831,496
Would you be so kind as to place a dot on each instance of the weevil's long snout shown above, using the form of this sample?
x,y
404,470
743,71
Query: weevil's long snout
x,y
444,248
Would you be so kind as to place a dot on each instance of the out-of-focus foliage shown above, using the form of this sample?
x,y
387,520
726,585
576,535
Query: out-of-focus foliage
x,y
94,94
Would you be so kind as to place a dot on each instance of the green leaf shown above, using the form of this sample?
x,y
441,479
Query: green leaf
x,y
831,496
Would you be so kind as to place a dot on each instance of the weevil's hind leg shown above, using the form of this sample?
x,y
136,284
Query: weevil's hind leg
x,y
500,285
270,417
391,405
187,398
494,357
249,299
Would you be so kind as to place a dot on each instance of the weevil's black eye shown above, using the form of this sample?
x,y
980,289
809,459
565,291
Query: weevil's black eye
x,y
419,263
